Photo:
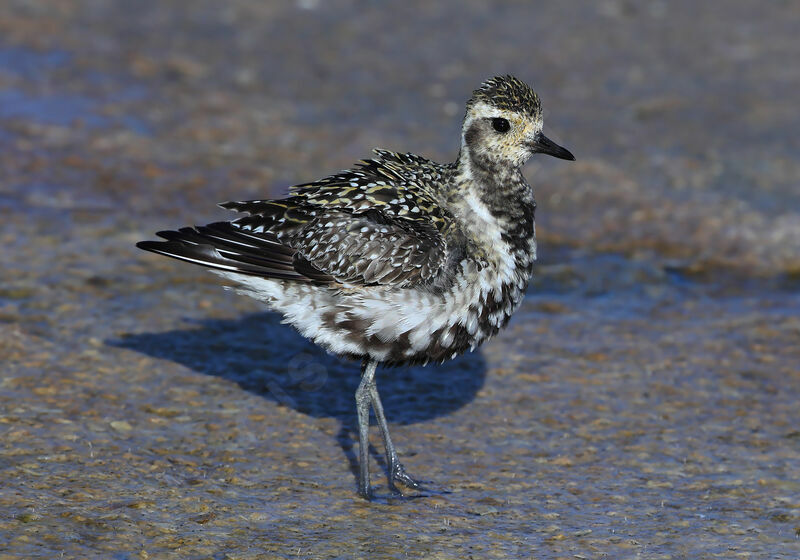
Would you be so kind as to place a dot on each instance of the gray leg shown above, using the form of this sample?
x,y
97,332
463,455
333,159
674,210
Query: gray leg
x,y
396,472
363,399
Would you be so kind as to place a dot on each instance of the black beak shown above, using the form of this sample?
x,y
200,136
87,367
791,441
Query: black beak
x,y
543,145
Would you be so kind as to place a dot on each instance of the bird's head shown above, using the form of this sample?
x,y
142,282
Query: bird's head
x,y
503,125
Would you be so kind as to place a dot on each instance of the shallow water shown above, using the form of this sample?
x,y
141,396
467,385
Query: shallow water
x,y
641,404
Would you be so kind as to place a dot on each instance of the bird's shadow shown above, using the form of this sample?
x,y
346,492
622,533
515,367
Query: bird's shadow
x,y
272,360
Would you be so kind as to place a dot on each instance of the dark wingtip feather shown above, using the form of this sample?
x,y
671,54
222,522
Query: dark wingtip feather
x,y
208,255
222,247
151,246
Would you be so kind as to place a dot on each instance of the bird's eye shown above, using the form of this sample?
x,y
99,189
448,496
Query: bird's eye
x,y
501,125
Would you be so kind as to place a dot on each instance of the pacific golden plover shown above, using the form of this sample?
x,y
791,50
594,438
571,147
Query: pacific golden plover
x,y
399,260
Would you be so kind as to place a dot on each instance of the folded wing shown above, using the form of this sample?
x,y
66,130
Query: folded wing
x,y
289,240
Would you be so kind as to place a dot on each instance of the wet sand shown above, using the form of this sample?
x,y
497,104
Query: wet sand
x,y
643,403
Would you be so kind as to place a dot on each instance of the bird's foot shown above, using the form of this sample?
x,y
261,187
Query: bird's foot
x,y
399,474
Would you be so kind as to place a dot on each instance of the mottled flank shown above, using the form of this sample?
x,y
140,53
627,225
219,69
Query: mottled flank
x,y
400,260
507,92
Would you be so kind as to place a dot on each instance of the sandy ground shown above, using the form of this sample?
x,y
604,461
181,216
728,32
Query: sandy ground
x,y
643,403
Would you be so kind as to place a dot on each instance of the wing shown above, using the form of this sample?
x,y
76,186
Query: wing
x,y
288,241
353,247
378,224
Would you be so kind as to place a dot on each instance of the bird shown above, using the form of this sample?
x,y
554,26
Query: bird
x,y
399,260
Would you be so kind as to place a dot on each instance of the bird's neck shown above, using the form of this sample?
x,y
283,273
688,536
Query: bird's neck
x,y
500,188
495,206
